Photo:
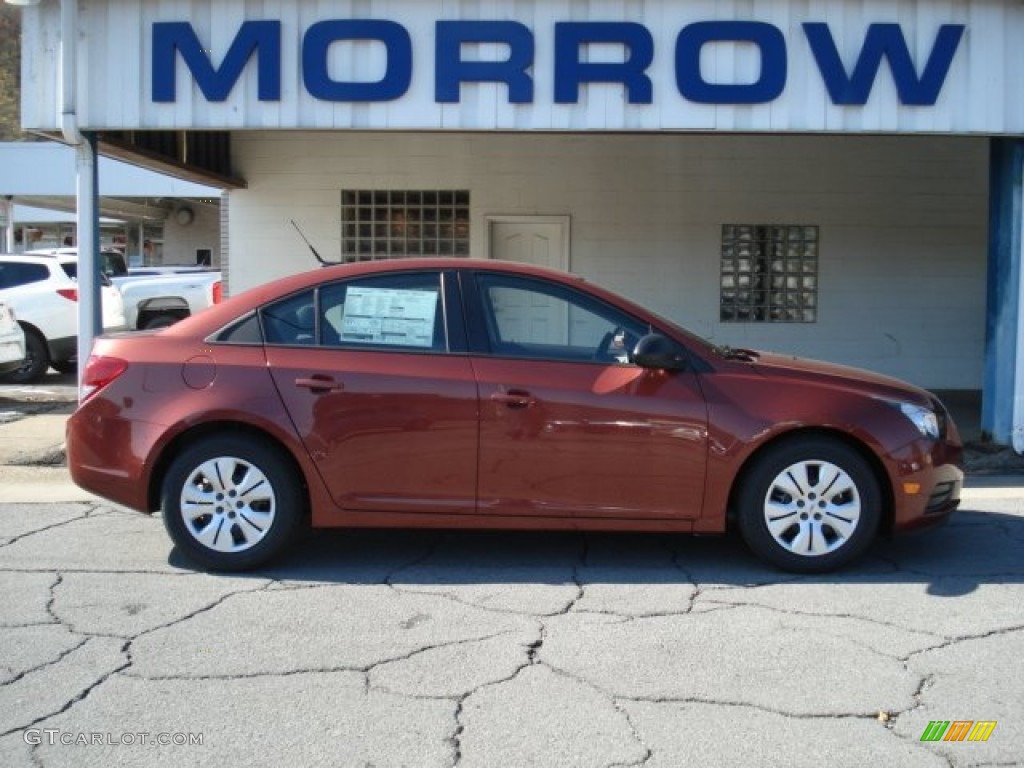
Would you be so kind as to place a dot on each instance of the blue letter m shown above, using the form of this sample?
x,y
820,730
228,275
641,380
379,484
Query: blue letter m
x,y
884,41
178,36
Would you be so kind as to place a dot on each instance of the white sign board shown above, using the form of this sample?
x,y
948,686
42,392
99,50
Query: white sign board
x,y
389,316
894,66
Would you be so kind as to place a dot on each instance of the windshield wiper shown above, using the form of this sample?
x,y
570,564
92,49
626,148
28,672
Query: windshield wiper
x,y
746,355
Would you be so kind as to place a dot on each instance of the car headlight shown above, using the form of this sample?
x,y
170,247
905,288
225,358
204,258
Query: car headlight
x,y
924,419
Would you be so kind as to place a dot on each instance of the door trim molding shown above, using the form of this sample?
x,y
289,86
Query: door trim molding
x,y
565,221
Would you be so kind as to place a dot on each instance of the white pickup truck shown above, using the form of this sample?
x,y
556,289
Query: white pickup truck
x,y
161,297
155,297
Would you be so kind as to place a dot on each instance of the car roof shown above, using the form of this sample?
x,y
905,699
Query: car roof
x,y
69,252
32,258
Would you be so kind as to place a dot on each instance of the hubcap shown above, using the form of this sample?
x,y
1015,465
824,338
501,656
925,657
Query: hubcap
x,y
812,508
228,504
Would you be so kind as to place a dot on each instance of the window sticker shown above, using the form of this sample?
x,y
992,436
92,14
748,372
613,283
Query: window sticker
x,y
389,316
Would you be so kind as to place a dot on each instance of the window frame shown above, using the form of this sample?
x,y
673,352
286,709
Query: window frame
x,y
482,326
450,305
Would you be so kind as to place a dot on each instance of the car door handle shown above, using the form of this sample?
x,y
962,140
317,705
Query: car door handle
x,y
514,398
319,384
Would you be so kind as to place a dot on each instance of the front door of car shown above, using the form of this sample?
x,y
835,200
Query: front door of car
x,y
374,382
568,426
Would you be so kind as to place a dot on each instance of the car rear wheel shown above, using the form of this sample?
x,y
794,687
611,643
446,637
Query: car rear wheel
x,y
231,502
37,360
809,505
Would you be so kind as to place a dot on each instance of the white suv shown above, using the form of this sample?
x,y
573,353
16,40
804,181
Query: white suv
x,y
43,292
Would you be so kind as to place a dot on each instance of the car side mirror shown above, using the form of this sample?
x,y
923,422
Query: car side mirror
x,y
657,352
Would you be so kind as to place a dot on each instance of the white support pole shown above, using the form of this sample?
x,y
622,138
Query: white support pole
x,y
7,208
90,322
1018,380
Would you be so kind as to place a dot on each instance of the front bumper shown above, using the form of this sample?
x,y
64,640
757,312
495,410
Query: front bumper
x,y
927,483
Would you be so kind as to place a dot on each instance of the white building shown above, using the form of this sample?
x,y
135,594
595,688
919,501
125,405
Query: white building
x,y
839,179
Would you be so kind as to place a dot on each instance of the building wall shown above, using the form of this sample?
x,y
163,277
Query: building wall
x,y
902,223
182,241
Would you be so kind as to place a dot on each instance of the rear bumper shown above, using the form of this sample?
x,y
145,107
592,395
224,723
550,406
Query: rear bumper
x,y
105,454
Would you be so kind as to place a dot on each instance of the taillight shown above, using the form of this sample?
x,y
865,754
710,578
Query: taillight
x,y
71,294
99,372
218,292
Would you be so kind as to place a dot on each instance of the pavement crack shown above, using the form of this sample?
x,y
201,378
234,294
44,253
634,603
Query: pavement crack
x,y
478,606
648,752
53,598
48,663
456,738
45,528
698,590
80,696
108,571
917,697
872,715
827,615
963,639
426,649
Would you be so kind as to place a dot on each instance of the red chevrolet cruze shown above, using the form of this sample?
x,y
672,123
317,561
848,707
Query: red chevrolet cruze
x,y
480,394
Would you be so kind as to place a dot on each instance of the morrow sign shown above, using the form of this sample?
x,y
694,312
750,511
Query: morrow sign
x,y
259,43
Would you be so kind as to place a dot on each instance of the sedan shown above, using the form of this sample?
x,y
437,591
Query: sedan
x,y
479,394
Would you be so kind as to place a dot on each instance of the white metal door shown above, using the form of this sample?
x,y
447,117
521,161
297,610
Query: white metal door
x,y
542,241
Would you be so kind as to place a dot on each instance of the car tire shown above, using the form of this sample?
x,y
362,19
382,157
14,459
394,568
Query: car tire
x,y
37,360
809,505
64,366
231,502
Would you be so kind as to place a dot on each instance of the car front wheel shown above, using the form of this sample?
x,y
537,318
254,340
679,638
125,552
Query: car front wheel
x,y
809,505
231,503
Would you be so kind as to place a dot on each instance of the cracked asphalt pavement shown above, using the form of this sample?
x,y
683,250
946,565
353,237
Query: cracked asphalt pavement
x,y
488,649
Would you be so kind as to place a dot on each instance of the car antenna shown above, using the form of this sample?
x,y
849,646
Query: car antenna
x,y
323,262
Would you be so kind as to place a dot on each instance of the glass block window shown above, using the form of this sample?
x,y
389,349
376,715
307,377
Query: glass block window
x,y
769,273
391,224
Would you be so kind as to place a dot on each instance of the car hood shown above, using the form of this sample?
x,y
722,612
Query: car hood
x,y
870,383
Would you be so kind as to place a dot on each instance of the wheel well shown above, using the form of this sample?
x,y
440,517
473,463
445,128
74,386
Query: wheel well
x,y
884,486
216,428
27,327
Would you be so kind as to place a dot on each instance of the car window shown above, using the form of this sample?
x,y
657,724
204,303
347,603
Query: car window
x,y
113,263
291,321
537,319
15,273
402,311
244,331
71,270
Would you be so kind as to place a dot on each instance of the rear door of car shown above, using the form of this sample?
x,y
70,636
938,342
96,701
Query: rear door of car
x,y
375,376
568,427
